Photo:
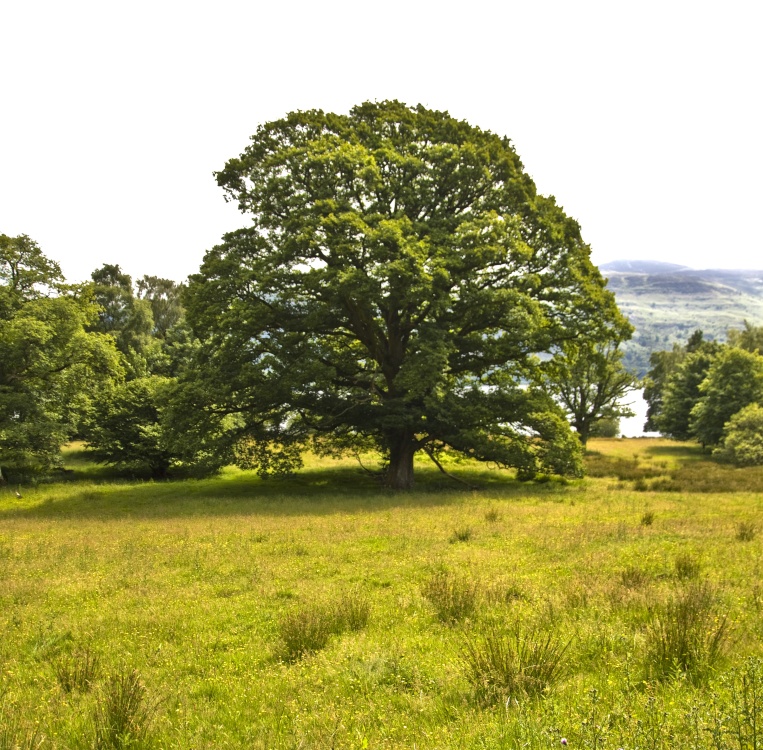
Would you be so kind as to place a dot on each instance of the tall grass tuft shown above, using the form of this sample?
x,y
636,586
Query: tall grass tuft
x,y
502,665
461,534
745,531
352,611
687,566
308,628
77,671
687,635
15,733
454,597
633,577
123,715
745,719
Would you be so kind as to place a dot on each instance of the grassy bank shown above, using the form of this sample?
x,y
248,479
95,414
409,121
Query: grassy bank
x,y
321,611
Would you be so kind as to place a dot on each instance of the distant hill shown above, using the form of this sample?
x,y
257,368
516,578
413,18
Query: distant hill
x,y
667,302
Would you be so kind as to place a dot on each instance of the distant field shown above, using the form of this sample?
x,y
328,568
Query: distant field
x,y
324,612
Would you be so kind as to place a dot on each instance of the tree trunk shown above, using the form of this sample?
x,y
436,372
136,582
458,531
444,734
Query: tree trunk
x,y
399,474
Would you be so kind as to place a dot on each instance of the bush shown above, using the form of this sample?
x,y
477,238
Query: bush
x,y
520,662
742,443
125,429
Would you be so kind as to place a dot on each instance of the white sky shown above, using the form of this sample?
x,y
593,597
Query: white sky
x,y
643,119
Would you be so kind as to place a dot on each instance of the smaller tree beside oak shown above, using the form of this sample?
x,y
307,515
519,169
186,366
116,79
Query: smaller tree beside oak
x,y
589,380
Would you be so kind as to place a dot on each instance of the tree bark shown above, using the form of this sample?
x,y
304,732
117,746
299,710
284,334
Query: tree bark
x,y
399,474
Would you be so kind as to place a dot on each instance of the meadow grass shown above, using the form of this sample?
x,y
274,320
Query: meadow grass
x,y
168,604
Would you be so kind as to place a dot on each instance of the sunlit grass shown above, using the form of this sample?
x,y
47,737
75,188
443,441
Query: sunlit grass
x,y
189,583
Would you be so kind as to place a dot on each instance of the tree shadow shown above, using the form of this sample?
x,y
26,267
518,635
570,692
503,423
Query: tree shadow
x,y
688,452
323,491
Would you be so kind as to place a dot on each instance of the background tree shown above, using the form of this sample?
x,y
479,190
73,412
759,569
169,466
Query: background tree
x,y
589,380
126,318
662,365
165,299
734,380
682,392
125,427
398,278
742,442
750,337
50,363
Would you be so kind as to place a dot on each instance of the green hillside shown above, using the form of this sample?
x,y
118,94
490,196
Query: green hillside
x,y
666,302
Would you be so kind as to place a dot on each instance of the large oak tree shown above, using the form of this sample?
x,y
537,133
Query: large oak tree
x,y
398,277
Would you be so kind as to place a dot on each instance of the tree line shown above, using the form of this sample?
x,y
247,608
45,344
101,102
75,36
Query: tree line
x,y
400,286
711,392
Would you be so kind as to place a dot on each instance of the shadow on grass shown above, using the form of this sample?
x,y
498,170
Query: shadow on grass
x,y
680,450
308,492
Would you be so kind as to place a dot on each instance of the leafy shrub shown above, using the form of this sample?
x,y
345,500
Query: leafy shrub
x,y
687,635
126,430
123,715
454,597
742,442
519,662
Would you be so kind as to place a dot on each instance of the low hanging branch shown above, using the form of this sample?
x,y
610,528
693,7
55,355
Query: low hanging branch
x,y
428,450
368,471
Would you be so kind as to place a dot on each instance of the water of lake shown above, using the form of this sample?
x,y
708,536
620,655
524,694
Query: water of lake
x,y
634,426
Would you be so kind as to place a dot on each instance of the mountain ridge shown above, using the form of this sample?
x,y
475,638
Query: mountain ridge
x,y
666,302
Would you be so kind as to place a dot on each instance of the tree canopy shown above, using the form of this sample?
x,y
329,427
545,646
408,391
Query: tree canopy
x,y
589,380
734,380
50,365
398,279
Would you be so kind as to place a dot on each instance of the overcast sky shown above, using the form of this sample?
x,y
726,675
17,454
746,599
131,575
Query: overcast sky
x,y
643,119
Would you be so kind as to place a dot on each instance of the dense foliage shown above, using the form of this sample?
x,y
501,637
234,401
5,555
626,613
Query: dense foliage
x,y
52,366
743,437
398,278
590,382
700,391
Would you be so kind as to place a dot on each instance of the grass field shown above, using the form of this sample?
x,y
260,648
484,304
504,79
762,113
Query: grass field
x,y
623,610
